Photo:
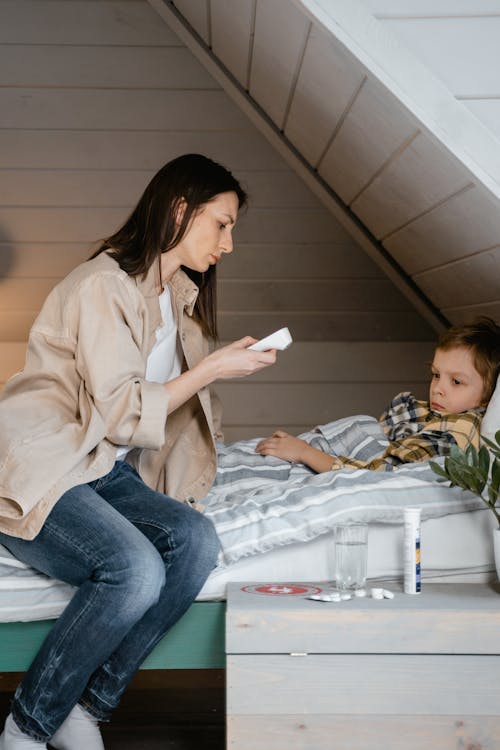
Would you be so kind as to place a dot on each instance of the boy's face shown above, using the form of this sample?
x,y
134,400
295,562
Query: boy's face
x,y
456,385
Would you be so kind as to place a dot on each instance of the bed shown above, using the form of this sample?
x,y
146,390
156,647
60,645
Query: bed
x,y
274,520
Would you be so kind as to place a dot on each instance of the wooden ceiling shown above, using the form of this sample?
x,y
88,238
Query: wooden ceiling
x,y
409,171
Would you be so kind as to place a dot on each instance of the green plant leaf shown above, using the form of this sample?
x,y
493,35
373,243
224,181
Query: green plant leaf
x,y
438,469
471,456
495,449
493,496
456,454
475,484
495,475
467,477
450,474
469,470
457,475
484,460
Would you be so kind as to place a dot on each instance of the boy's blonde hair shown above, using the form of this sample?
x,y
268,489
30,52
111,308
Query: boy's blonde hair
x,y
482,337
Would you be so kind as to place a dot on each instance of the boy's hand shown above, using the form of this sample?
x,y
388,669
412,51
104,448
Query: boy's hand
x,y
285,446
282,445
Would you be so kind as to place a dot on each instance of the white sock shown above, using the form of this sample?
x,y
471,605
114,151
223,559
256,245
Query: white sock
x,y
79,731
13,739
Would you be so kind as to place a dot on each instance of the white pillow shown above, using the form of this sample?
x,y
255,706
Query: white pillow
x,y
491,420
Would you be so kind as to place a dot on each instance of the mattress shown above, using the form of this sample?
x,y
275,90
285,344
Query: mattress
x,y
456,547
260,503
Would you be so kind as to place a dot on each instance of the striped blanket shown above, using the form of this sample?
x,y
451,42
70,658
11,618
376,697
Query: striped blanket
x,y
261,502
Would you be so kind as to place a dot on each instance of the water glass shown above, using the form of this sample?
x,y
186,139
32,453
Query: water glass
x,y
351,552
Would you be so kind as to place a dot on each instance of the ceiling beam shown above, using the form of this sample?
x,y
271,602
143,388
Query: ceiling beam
x,y
296,161
435,107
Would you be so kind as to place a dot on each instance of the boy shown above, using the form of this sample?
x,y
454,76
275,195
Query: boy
x,y
464,373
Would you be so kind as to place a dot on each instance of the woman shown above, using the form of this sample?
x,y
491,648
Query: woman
x,y
110,419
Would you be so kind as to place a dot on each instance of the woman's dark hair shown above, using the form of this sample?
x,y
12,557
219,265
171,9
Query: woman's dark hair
x,y
151,229
482,337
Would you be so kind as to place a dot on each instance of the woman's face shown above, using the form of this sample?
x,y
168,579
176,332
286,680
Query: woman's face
x,y
208,235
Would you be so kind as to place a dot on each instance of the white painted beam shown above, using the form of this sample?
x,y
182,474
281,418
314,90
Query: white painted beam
x,y
427,98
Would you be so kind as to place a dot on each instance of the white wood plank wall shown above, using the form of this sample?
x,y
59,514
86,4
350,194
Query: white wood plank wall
x,y
458,41
312,383
357,125
95,95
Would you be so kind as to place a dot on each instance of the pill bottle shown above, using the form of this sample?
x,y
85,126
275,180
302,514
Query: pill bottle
x,y
412,580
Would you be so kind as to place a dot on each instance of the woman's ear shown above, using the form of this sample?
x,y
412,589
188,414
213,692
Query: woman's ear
x,y
180,210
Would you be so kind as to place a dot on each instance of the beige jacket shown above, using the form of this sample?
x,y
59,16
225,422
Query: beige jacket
x,y
82,392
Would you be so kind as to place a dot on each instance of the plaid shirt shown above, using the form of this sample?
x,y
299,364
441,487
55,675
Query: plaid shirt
x,y
416,433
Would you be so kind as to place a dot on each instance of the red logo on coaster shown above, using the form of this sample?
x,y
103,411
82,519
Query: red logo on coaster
x,y
282,589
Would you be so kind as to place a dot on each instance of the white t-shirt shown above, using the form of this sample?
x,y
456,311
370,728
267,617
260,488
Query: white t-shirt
x,y
164,360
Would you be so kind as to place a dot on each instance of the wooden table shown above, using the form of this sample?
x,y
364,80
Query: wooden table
x,y
409,673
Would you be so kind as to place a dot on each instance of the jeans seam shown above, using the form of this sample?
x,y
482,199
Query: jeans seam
x,y
60,534
93,711
94,593
64,635
168,533
167,530
89,692
102,481
23,727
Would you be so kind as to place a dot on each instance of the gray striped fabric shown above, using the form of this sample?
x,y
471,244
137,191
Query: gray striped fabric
x,y
261,502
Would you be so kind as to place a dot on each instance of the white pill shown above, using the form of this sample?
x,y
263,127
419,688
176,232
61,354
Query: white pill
x,y
388,594
377,593
360,592
325,597
345,597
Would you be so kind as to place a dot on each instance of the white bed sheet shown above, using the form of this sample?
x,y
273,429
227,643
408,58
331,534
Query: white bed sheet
x,y
457,546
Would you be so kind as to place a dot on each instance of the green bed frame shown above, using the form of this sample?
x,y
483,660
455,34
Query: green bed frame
x,y
197,641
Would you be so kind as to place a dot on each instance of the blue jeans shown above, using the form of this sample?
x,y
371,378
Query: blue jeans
x,y
139,559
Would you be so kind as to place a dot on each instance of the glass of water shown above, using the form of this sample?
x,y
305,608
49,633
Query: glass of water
x,y
351,552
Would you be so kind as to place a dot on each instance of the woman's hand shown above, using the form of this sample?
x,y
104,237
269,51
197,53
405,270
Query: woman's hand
x,y
232,361
236,361
283,445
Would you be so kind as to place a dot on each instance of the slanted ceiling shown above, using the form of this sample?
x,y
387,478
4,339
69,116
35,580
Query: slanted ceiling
x,y
408,169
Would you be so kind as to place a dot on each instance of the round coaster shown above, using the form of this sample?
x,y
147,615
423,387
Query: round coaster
x,y
282,589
